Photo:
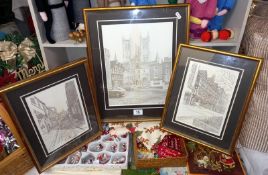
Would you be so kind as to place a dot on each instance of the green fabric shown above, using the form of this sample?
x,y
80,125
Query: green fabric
x,y
140,172
172,1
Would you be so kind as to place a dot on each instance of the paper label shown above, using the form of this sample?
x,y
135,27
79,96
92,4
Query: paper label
x,y
137,111
178,15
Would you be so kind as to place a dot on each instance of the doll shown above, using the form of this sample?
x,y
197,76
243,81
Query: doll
x,y
53,14
201,12
78,6
215,25
111,3
142,2
75,13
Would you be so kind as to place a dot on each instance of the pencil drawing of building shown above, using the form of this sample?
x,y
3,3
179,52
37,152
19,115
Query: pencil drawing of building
x,y
108,66
205,91
156,79
74,107
117,71
138,72
141,69
57,113
44,115
166,70
145,49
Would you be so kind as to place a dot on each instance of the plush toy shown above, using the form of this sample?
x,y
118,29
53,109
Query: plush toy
x,y
215,25
201,11
54,16
111,3
142,2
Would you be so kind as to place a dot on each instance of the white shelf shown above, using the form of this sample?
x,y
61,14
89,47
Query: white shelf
x,y
62,52
215,43
66,43
197,42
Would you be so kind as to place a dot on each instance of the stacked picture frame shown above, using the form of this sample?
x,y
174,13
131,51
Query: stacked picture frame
x,y
139,68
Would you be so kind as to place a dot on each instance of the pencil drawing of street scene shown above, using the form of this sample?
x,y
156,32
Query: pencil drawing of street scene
x,y
58,114
138,62
206,96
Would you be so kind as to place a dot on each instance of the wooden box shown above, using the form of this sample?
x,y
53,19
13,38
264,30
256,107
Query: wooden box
x,y
238,170
203,160
160,162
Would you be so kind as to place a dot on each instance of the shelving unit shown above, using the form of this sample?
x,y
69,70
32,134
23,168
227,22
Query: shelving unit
x,y
236,20
62,52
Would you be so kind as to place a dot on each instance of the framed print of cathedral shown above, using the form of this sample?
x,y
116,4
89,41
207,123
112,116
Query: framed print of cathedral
x,y
208,95
131,51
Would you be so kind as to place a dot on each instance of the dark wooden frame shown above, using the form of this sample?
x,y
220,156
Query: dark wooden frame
x,y
13,97
95,17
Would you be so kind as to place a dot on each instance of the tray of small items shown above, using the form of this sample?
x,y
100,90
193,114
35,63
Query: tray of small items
x,y
107,151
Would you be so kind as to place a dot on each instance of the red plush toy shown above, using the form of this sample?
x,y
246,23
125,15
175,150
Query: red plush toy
x,y
206,36
226,34
223,34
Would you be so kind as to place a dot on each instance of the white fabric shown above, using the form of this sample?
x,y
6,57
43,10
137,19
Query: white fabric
x,y
202,1
256,162
16,4
75,171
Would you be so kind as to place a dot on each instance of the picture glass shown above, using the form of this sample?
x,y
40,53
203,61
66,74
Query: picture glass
x,y
139,65
57,113
207,97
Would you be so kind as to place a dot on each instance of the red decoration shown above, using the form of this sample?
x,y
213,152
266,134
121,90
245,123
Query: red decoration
x,y
132,129
150,130
167,152
228,160
170,146
206,36
172,142
7,78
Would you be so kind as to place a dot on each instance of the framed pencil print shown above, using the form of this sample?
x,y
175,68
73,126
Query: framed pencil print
x,y
55,112
208,95
131,52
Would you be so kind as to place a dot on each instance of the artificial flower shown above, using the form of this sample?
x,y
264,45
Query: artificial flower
x,y
8,50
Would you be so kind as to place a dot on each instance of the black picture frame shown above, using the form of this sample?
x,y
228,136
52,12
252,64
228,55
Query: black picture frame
x,y
55,111
131,51
208,96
